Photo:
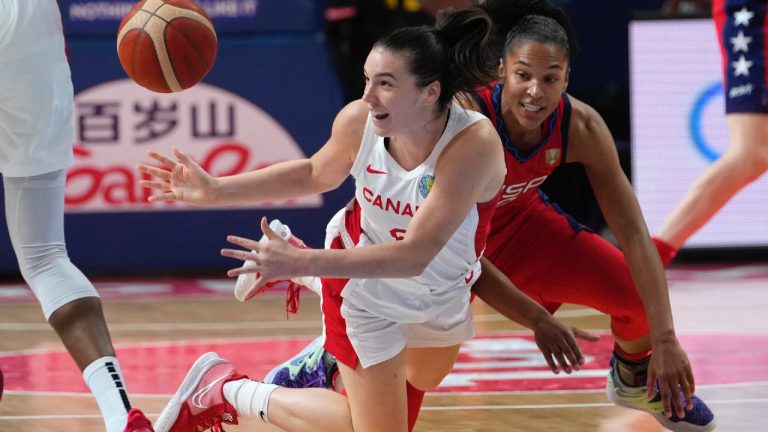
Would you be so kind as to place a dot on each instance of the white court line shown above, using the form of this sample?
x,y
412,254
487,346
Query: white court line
x,y
435,394
427,408
252,325
248,325
581,405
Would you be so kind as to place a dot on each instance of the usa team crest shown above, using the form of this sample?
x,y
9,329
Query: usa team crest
x,y
425,184
551,156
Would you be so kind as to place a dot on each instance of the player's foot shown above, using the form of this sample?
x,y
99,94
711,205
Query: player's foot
x,y
313,366
199,403
699,419
137,422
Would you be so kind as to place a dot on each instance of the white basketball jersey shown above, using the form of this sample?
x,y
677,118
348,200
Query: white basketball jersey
x,y
36,94
389,196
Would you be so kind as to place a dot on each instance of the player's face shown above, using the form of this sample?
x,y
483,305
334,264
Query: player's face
x,y
535,75
394,100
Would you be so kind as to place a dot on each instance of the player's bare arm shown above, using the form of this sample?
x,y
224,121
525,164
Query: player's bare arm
x,y
182,179
592,145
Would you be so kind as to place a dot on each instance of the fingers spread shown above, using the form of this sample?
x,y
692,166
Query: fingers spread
x,y
551,362
244,242
271,235
155,171
163,159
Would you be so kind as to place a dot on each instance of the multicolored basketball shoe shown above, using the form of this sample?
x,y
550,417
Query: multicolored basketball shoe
x,y
137,422
699,419
199,403
312,367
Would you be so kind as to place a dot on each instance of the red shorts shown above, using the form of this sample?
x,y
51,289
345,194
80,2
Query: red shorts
x,y
335,327
555,260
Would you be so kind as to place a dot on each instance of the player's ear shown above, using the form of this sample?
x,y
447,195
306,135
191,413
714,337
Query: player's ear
x,y
432,92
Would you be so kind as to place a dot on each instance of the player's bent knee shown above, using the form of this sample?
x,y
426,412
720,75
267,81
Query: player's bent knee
x,y
426,368
54,280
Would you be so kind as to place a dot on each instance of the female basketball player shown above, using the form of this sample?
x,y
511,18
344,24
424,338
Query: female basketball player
x,y
36,136
405,274
549,255
552,257
741,26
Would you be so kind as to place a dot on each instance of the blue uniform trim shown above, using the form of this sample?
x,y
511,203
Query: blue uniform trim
x,y
575,225
747,92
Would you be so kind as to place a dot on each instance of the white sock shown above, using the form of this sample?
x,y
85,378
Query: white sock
x,y
250,398
105,379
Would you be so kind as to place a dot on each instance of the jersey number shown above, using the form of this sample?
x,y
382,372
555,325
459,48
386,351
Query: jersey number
x,y
397,233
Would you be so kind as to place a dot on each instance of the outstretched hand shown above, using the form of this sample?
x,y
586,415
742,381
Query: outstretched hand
x,y
669,366
274,259
181,180
557,343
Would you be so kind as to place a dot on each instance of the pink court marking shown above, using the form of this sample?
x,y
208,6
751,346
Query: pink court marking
x,y
500,362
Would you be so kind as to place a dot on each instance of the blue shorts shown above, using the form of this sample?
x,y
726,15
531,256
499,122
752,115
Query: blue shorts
x,y
743,31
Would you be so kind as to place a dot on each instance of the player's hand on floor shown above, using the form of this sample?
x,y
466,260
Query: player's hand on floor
x,y
670,367
558,344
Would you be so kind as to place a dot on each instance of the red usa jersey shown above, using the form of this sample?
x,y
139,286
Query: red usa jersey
x,y
525,173
389,196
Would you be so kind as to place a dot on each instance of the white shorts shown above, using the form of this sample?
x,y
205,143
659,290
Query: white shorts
x,y
354,333
36,93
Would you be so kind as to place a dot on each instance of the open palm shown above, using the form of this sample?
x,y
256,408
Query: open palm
x,y
180,180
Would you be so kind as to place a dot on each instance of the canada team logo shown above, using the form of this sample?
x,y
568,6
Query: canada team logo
x,y
425,184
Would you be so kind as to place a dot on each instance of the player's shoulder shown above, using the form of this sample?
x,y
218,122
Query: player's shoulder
x,y
354,112
352,118
584,119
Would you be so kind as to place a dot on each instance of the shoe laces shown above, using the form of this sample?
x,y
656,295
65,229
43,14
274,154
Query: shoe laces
x,y
292,299
310,375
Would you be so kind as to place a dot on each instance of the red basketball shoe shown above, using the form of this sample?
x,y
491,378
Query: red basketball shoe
x,y
137,422
199,402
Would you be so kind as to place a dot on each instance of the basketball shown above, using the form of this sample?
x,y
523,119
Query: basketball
x,y
166,45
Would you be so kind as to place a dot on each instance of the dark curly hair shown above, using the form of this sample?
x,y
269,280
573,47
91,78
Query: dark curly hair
x,y
533,20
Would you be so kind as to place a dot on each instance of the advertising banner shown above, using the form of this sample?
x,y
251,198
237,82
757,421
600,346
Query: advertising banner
x,y
102,17
268,98
679,129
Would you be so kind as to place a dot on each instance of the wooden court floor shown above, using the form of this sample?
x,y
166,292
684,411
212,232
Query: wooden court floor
x,y
499,383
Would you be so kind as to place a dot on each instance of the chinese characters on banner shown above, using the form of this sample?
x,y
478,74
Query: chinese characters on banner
x,y
117,122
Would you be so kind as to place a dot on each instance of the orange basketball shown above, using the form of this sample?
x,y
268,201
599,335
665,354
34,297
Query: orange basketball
x,y
166,45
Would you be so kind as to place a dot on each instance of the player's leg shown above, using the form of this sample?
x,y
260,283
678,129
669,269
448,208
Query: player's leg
x,y
741,28
34,209
745,160
376,394
427,367
425,370
563,262
375,402
556,260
